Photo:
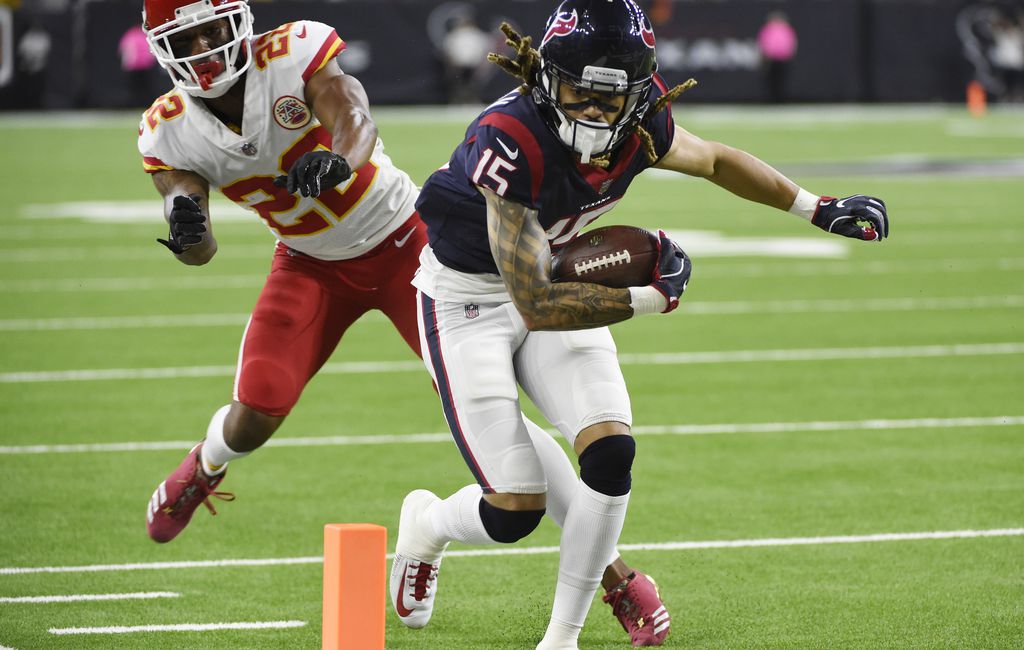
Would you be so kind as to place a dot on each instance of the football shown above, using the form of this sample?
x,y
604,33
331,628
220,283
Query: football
x,y
613,256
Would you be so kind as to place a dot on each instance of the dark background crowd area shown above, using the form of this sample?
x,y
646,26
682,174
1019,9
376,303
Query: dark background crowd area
x,y
69,54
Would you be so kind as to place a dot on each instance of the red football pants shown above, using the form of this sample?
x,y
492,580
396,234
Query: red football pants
x,y
307,305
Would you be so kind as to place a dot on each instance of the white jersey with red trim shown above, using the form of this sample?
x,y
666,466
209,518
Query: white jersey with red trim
x,y
180,132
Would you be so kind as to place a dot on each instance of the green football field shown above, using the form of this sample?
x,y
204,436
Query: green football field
x,y
830,433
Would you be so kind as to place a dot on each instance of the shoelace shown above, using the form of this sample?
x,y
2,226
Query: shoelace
x,y
422,579
190,493
626,608
623,607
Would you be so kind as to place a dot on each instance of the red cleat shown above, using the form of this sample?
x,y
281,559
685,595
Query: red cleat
x,y
637,605
174,501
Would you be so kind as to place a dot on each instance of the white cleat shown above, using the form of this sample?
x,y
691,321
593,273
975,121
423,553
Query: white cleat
x,y
413,581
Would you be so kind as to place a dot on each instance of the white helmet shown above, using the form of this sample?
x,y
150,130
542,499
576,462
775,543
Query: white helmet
x,y
208,74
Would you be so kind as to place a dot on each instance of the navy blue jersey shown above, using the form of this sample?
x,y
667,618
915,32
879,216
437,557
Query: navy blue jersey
x,y
510,150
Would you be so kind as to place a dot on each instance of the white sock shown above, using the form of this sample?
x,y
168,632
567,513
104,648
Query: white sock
x,y
561,475
558,469
216,453
592,528
560,635
458,517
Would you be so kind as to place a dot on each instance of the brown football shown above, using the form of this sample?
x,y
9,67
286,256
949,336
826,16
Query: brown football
x,y
614,256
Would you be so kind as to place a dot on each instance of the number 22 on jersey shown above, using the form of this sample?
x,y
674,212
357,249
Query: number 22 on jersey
x,y
336,203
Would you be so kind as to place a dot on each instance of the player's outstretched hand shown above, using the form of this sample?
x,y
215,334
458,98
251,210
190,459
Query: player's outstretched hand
x,y
673,271
315,172
186,224
845,216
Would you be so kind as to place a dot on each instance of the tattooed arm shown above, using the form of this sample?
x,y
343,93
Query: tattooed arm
x,y
520,249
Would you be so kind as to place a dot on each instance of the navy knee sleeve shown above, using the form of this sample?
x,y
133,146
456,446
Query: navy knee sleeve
x,y
507,526
606,463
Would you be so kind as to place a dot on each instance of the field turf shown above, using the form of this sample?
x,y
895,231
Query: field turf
x,y
830,433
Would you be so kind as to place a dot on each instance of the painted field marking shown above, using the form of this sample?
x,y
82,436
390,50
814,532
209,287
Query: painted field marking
x,y
699,244
178,627
75,598
697,307
123,322
169,283
444,437
654,359
125,253
176,282
543,550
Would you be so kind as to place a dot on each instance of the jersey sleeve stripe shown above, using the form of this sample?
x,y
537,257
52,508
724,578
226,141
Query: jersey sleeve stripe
x,y
525,138
330,49
151,165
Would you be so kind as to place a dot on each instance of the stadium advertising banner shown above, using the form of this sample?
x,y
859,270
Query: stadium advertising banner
x,y
417,52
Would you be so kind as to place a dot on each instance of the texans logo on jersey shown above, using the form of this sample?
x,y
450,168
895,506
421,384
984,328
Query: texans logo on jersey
x,y
563,25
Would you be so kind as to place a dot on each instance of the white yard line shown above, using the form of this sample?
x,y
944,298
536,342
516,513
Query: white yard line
x,y
674,358
178,627
706,307
542,550
712,269
75,598
124,253
123,322
443,437
171,282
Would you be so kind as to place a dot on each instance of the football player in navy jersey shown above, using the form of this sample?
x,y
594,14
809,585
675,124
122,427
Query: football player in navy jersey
x,y
272,115
536,167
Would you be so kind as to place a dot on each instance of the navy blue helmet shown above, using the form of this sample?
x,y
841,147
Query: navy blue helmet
x,y
604,46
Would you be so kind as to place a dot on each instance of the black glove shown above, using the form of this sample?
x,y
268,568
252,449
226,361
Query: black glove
x,y
673,271
315,172
186,224
842,216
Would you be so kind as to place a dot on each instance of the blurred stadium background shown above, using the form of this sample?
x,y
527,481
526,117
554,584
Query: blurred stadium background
x,y
831,434
80,54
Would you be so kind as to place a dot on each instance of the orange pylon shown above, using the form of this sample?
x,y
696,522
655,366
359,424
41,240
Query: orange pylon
x,y
355,586
976,99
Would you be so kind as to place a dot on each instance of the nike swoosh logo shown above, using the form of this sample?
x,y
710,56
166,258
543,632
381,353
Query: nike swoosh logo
x,y
842,203
302,32
401,242
512,155
400,601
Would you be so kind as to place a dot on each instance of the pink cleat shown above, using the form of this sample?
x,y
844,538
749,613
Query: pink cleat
x,y
636,603
176,498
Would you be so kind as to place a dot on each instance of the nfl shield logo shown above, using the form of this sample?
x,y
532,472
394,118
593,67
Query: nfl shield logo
x,y
472,311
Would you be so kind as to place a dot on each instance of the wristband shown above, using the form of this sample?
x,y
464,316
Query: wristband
x,y
647,300
805,204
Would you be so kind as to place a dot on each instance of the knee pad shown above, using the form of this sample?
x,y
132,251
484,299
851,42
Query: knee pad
x,y
606,463
507,526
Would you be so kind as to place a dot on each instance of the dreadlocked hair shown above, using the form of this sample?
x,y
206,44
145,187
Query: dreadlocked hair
x,y
660,104
526,65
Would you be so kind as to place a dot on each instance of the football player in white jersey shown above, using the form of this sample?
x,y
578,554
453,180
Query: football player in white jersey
x,y
273,123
